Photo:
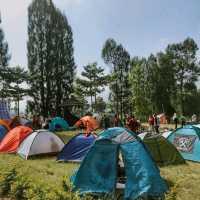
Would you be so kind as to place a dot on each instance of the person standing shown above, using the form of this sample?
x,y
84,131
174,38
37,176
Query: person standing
x,y
151,122
106,120
175,119
116,121
194,118
127,119
183,121
156,123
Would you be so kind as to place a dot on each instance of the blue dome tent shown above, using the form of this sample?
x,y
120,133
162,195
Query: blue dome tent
x,y
187,141
76,149
58,124
98,171
3,132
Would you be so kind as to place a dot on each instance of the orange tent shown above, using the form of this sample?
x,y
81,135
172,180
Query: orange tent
x,y
89,122
13,139
5,124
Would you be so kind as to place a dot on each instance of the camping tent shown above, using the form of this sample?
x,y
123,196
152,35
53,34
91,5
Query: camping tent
x,y
58,124
40,142
13,138
197,125
98,170
4,112
76,149
162,151
187,141
89,122
5,124
166,134
3,132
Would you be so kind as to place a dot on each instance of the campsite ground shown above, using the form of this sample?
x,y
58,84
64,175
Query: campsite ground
x,y
184,180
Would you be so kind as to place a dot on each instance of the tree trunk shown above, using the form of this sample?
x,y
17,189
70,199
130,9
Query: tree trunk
x,y
181,93
91,102
18,106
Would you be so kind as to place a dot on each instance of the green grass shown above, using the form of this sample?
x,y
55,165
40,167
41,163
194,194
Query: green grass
x,y
184,180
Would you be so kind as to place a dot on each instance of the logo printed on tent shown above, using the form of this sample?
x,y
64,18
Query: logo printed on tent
x,y
185,143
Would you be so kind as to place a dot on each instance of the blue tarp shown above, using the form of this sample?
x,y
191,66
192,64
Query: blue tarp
x,y
76,148
98,171
58,124
187,141
4,113
3,132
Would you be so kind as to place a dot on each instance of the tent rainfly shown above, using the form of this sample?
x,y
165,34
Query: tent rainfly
x,y
187,141
76,149
99,171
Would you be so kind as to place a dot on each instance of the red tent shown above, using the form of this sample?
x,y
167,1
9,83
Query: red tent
x,y
13,139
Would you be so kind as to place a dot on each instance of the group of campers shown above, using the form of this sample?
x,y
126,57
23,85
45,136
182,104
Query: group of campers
x,y
182,120
154,123
130,122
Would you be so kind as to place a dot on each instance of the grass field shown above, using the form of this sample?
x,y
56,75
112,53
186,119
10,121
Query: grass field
x,y
184,180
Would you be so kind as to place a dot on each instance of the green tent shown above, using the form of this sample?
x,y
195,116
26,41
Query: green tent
x,y
162,151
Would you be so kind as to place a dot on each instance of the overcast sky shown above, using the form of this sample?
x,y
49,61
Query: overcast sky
x,y
142,26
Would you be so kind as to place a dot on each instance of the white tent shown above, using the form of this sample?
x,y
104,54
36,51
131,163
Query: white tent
x,y
142,135
40,142
166,134
197,125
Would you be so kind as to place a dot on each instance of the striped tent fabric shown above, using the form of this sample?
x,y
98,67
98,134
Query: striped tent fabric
x,y
4,113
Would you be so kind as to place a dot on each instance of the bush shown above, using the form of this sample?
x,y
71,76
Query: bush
x,y
7,178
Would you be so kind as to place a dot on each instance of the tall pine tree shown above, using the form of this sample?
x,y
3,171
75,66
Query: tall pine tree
x,y
93,82
50,57
118,58
4,60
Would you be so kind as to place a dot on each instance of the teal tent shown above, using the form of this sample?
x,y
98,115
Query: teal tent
x,y
99,171
58,124
187,141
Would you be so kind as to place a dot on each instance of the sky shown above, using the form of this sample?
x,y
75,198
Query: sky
x,y
141,26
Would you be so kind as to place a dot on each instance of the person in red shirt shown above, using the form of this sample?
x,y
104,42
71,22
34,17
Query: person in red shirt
x,y
116,121
133,124
151,122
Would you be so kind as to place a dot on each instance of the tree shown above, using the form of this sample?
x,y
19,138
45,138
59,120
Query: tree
x,y
166,85
100,105
79,99
166,82
4,60
184,62
50,57
93,82
118,58
16,88
139,88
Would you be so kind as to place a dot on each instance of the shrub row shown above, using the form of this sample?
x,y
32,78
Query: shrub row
x,y
19,186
